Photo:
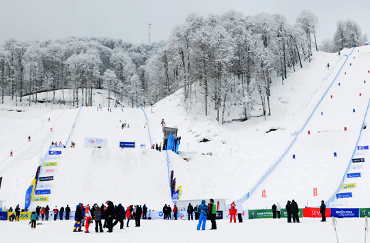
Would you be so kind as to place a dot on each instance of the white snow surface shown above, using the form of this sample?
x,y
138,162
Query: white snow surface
x,y
241,151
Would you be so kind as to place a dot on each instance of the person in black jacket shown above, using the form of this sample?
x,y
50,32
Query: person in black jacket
x,y
17,212
68,209
38,208
288,212
138,216
47,209
109,216
165,211
145,209
78,218
61,213
274,211
322,211
295,211
120,213
190,211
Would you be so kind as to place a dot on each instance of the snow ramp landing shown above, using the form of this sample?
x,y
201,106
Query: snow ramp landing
x,y
322,151
93,175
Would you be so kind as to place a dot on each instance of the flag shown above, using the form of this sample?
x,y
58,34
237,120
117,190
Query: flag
x,y
315,191
51,129
264,193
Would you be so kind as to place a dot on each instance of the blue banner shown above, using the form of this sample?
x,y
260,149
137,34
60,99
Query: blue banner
x,y
344,195
345,212
362,147
3,215
127,144
28,197
55,152
42,192
353,175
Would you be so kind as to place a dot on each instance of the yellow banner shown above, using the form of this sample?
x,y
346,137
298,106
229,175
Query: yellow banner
x,y
40,199
348,186
50,164
22,216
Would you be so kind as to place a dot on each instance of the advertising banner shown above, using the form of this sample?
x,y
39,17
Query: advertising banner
x,y
348,186
353,175
364,212
43,186
46,178
314,212
344,195
219,214
358,160
267,213
362,147
29,194
40,199
357,167
53,157
42,192
96,142
53,152
22,216
127,144
338,204
345,212
47,164
48,170
3,216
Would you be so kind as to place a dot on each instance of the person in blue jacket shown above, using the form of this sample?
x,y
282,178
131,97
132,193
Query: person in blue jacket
x,y
34,216
203,211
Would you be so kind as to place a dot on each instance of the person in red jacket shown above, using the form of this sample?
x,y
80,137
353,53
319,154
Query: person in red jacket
x,y
56,210
128,215
42,212
88,218
175,212
232,212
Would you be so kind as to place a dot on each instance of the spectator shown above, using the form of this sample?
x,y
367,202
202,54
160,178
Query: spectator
x,y
97,214
68,210
278,209
175,212
232,212
34,216
47,209
240,213
202,211
42,211
322,211
294,210
55,213
288,211
274,211
213,212
61,213
190,211
128,215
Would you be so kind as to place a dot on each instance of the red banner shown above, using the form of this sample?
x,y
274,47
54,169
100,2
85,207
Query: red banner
x,y
315,212
264,193
315,191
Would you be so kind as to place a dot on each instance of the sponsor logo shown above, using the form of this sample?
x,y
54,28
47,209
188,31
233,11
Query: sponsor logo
x,y
344,195
22,216
357,160
41,199
362,147
46,178
48,170
43,186
357,167
349,186
127,144
42,192
55,152
353,175
46,164
160,213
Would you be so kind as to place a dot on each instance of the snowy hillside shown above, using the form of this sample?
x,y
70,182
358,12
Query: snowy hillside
x,y
239,153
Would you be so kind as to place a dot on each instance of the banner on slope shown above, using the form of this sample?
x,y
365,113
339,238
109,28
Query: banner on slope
x,y
358,160
29,194
353,175
357,167
54,152
43,186
46,178
40,199
364,212
126,144
42,192
348,186
48,170
47,164
315,212
362,147
345,212
344,195
338,204
96,142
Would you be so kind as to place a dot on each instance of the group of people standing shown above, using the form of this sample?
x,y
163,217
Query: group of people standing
x,y
84,216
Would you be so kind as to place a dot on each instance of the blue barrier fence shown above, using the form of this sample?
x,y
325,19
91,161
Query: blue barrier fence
x,y
268,172
333,197
147,124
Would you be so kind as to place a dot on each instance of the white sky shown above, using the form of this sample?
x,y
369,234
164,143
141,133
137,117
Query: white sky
x,y
128,19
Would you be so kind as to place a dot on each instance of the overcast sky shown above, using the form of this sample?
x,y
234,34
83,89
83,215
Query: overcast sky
x,y
128,19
